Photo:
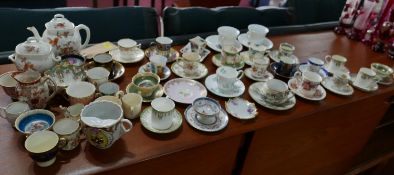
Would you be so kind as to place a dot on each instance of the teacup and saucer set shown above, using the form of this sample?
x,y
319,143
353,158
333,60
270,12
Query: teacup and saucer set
x,y
226,82
105,60
338,84
241,108
383,73
307,85
225,33
156,65
285,50
128,51
258,71
147,85
162,46
229,55
198,45
161,117
335,63
206,114
284,69
183,90
189,67
273,94
365,80
314,65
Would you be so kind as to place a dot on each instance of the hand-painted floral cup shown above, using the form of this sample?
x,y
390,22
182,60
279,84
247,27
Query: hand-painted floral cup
x,y
276,91
365,77
308,82
335,63
315,64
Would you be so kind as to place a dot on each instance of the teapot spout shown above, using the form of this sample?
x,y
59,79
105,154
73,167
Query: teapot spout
x,y
35,32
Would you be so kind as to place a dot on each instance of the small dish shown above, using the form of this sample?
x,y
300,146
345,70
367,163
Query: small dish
x,y
265,42
274,56
187,48
328,83
146,121
274,69
213,43
149,67
241,108
267,75
66,74
220,122
362,88
178,69
320,93
216,60
174,55
304,67
256,95
117,72
212,85
183,90
34,120
158,93
136,55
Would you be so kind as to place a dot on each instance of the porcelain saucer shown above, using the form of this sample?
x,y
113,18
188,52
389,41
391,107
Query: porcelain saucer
x,y
274,69
178,69
136,55
220,123
213,43
265,42
204,54
329,84
212,85
149,67
216,60
241,108
174,55
304,67
158,93
267,75
386,81
274,56
320,93
146,121
360,87
117,72
183,90
257,96
344,70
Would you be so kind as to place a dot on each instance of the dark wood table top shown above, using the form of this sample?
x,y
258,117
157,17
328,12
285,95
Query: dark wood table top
x,y
139,144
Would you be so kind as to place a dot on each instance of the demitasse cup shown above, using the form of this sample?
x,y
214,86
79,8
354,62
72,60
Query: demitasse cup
x,y
162,113
227,34
260,62
81,92
365,77
126,46
383,72
230,52
131,104
147,83
163,45
108,88
315,64
43,147
341,79
197,44
287,67
227,76
308,82
98,75
190,60
335,63
104,123
207,109
159,62
103,60
256,33
13,110
8,84
276,91
34,120
286,50
73,111
69,130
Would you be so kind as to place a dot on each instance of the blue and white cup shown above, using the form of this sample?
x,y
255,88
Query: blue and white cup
x,y
315,64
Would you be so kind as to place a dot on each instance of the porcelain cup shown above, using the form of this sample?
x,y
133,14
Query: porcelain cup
x,y
383,72
98,75
159,62
9,84
190,61
230,53
256,32
260,63
287,66
227,34
81,92
197,44
308,82
207,109
315,64
104,60
335,63
227,76
108,88
147,83
104,123
341,79
163,45
365,77
69,130
73,111
131,104
34,120
126,46
276,91
162,113
43,147
286,51
13,110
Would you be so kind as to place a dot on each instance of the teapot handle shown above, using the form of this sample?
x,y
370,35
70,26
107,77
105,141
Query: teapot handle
x,y
87,30
54,85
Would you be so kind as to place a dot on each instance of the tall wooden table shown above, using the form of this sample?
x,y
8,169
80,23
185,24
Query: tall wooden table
x,y
312,138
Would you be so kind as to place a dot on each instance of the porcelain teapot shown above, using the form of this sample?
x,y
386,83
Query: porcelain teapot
x,y
34,54
63,35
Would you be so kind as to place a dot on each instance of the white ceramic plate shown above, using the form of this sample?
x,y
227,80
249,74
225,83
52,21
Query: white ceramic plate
x,y
212,85
183,90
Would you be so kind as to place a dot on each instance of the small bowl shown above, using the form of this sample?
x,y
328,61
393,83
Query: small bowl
x,y
381,69
207,109
146,82
34,120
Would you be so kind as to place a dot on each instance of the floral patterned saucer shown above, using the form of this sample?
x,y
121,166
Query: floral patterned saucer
x,y
183,90
146,121
320,93
178,68
217,61
174,55
257,96
329,84
220,123
241,108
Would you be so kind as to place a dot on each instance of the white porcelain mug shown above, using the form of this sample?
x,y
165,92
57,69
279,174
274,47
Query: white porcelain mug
x,y
335,63
13,110
162,113
131,104
308,82
69,130
227,76
365,77
98,75
276,91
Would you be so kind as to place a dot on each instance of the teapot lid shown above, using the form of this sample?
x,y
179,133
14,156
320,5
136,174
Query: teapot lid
x,y
59,22
32,46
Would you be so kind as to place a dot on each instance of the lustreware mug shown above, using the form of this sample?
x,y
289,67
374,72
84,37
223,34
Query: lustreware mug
x,y
162,113
227,76
276,91
69,130
308,82
13,110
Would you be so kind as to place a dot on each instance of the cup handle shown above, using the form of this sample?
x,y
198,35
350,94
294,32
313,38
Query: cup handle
x,y
119,94
2,112
240,74
298,76
128,122
57,58
62,142
54,85
327,58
